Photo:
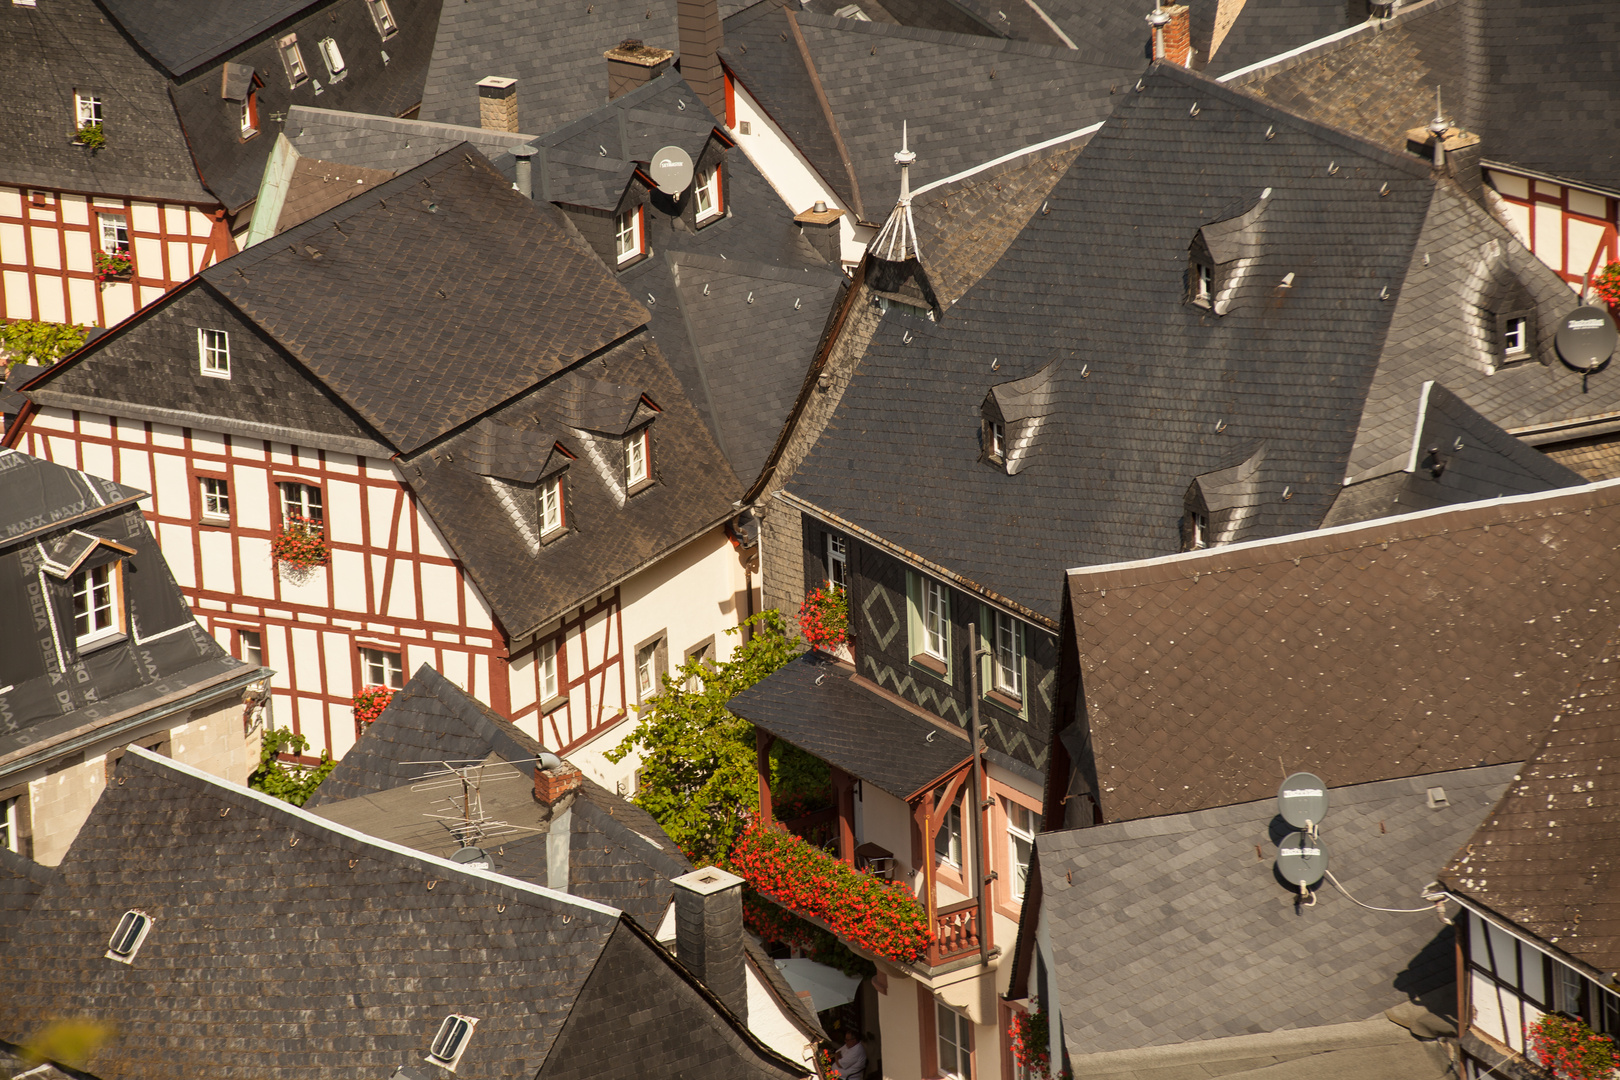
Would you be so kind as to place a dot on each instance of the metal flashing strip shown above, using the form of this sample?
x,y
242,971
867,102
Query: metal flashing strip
x,y
1036,148
1524,937
1342,530
1417,427
305,817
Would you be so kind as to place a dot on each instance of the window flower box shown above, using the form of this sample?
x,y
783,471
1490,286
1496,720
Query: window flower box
x,y
876,916
1566,1047
300,544
92,135
370,703
113,266
824,619
1607,286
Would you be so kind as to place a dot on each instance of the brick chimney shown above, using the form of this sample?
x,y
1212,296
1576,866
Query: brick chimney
x,y
553,783
632,64
708,933
1171,27
701,38
497,104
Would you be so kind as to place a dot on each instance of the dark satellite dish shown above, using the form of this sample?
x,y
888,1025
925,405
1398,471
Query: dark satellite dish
x,y
471,857
1303,798
1301,859
672,170
1586,338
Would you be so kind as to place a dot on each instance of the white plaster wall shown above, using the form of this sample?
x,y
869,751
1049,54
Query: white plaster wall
x,y
770,1022
902,1038
690,594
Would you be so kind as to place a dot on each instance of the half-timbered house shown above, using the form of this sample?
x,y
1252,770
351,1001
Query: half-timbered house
x,y
446,401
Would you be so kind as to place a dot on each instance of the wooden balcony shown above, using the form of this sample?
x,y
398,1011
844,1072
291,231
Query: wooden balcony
x,y
956,933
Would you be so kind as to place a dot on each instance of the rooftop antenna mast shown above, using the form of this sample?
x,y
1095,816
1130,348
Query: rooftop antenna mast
x,y
897,240
1437,127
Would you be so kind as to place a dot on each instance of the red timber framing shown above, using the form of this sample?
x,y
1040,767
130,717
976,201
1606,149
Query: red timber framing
x,y
391,583
1563,225
590,696
49,241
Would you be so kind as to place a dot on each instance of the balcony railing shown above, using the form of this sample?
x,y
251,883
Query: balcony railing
x,y
956,933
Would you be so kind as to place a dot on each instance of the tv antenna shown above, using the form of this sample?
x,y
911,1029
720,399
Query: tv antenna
x,y
460,785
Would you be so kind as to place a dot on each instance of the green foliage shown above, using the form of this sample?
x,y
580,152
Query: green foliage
x,y
66,1042
290,783
92,135
29,342
698,777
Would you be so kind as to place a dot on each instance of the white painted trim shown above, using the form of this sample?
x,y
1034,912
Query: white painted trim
x,y
1054,27
1417,426
1359,28
1004,158
304,817
1525,939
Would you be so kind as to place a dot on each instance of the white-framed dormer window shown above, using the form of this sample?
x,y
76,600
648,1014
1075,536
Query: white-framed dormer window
x,y
98,604
995,439
1203,283
837,562
548,670
214,352
9,828
383,18
1516,336
936,619
86,110
627,234
1197,530
250,115
292,59
382,667
114,229
638,457
1007,656
216,498
706,194
128,937
948,841
551,505
301,501
451,1042
1022,825
333,56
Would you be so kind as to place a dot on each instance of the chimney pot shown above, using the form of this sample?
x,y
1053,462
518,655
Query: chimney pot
x,y
523,171
708,933
497,104
632,64
552,784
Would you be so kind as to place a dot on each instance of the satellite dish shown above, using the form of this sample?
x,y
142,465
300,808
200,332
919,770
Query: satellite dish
x,y
672,170
1302,798
1301,859
472,858
1586,338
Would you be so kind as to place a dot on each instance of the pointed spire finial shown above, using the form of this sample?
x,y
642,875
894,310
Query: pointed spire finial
x,y
904,159
1438,124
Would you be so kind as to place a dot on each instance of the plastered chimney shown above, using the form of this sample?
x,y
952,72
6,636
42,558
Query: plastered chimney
x,y
497,104
701,39
632,64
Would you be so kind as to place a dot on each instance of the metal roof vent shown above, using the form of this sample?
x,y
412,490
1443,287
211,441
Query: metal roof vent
x,y
451,1041
127,939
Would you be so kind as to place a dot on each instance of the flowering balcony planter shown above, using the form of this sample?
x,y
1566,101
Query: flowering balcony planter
x,y
370,703
824,620
113,266
1570,1050
300,547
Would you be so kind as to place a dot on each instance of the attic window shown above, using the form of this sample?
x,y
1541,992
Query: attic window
x,y
551,507
628,235
1516,334
214,353
638,458
1197,526
250,115
451,1041
383,18
98,604
1222,253
995,440
87,110
1202,276
127,939
706,194
333,57
293,60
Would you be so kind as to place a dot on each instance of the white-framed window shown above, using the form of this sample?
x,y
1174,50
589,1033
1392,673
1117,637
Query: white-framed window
x,y
380,667
1197,529
1022,825
551,505
383,18
936,619
300,501
996,439
627,234
706,193
637,454
1203,283
333,57
451,1041
292,59
948,841
955,1033
1516,336
548,670
837,562
86,109
704,655
214,352
216,498
250,114
8,824
128,937
649,666
250,643
98,603
114,229
1007,656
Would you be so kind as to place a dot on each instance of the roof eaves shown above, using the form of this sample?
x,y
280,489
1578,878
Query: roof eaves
x,y
1513,929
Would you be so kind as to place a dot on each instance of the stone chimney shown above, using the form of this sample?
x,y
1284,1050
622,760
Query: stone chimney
x,y
708,933
497,104
1171,27
701,38
552,784
632,64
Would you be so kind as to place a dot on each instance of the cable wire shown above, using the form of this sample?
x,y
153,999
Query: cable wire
x,y
1371,907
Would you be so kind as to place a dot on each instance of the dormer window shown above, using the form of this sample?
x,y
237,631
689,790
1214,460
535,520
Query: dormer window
x,y
1223,252
383,18
293,60
214,353
98,604
1197,530
1516,336
706,194
333,57
451,1041
129,936
87,110
1203,283
638,458
995,440
551,507
628,238
250,115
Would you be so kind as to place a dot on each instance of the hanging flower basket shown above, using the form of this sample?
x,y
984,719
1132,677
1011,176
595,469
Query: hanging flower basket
x,y
1570,1050
370,703
91,135
824,618
115,265
300,544
1607,285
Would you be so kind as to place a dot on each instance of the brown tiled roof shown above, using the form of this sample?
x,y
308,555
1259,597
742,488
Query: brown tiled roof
x,y
1398,647
319,186
1546,857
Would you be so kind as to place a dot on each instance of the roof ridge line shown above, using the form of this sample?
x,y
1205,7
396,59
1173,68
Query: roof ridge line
x,y
1033,148
980,42
827,112
1312,49
298,813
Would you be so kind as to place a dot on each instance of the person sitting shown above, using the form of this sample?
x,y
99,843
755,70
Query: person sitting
x,y
851,1056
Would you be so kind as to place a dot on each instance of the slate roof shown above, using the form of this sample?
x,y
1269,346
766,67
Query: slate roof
x,y
1265,28
553,49
1177,929
1149,391
1544,859
319,186
181,34
45,56
1391,648
389,143
435,297
247,895
819,706
53,519
967,99
21,881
